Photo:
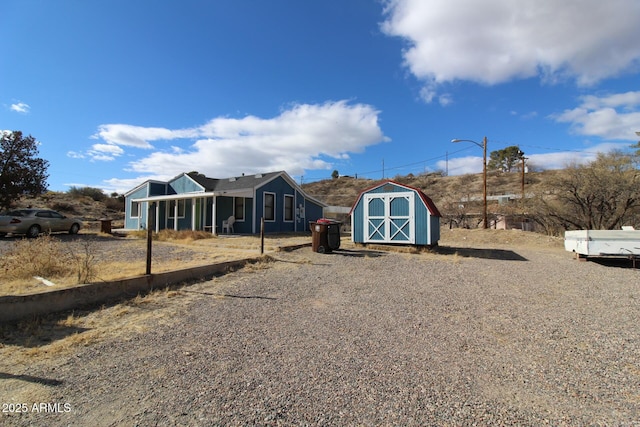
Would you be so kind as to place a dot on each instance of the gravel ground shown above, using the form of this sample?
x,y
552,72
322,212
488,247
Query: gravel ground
x,y
526,337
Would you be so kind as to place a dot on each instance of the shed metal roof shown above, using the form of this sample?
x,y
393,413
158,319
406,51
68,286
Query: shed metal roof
x,y
433,210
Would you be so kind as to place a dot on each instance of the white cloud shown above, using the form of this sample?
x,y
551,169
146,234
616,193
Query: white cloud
x,y
495,41
75,155
138,136
562,159
300,138
104,152
20,107
461,165
614,116
107,148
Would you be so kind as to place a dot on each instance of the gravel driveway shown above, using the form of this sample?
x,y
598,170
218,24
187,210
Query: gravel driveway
x,y
526,337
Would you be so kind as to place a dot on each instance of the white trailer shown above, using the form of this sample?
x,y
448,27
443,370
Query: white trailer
x,y
603,243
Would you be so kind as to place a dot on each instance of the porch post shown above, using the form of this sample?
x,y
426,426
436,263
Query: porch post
x,y
157,213
193,214
175,215
213,217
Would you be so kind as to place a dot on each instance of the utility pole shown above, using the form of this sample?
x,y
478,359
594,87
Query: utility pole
x,y
522,184
484,174
446,173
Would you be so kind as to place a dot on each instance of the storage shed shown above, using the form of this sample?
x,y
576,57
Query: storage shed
x,y
394,213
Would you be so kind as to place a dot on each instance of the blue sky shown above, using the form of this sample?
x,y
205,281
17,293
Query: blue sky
x,y
122,91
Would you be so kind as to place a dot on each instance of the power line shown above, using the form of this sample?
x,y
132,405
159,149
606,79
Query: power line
x,y
385,169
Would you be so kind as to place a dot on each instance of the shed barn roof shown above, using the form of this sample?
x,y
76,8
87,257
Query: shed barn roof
x,y
433,210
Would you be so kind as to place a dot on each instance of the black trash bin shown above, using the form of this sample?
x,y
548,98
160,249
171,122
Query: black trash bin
x,y
105,225
325,235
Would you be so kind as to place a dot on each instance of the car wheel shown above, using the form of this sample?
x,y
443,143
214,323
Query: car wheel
x,y
33,231
74,229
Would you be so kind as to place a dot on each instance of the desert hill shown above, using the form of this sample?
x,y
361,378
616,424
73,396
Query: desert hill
x,y
343,191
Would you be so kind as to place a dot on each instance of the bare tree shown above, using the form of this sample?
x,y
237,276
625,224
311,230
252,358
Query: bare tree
x,y
601,195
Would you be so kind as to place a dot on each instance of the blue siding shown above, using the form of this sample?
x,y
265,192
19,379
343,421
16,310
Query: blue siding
x,y
357,222
136,223
224,209
423,222
313,212
280,187
427,227
184,184
435,229
245,226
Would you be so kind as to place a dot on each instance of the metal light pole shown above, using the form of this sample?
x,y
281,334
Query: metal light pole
x,y
485,222
523,158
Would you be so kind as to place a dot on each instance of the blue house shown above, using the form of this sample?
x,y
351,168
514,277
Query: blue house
x,y
394,213
191,201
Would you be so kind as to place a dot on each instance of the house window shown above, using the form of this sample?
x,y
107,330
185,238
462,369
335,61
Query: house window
x,y
135,210
238,208
172,207
269,206
288,207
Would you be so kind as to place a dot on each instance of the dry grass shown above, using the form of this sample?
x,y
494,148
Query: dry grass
x,y
166,235
45,257
480,238
68,265
35,257
53,336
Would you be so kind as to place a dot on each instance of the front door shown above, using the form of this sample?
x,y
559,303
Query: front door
x,y
389,218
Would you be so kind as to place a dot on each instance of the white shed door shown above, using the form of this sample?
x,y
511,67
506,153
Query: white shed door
x,y
389,218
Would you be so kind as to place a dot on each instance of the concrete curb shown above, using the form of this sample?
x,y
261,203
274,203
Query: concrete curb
x,y
17,307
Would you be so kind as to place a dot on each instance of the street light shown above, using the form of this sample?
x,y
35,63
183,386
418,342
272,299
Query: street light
x,y
523,158
485,223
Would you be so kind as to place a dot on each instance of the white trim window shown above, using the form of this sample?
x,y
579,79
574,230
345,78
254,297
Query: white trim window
x,y
181,208
238,208
269,206
134,212
288,208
